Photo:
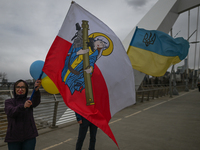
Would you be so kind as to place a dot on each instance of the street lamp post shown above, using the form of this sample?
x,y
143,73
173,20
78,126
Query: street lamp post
x,y
193,86
187,71
174,91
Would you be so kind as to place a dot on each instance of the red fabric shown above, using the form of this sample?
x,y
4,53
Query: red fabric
x,y
98,114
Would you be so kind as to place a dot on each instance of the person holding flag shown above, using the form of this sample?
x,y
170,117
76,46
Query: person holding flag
x,y
22,132
83,128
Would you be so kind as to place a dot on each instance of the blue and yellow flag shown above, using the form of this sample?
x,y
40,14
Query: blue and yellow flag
x,y
153,52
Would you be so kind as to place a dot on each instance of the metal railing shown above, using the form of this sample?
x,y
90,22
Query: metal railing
x,y
52,111
151,92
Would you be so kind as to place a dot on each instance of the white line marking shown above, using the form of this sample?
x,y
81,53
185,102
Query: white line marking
x,y
57,144
154,105
68,140
115,121
132,114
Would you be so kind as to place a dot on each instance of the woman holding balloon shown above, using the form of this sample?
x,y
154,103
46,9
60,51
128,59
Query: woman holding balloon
x,y
21,132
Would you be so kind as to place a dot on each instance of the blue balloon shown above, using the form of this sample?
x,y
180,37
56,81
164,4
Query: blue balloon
x,y
36,69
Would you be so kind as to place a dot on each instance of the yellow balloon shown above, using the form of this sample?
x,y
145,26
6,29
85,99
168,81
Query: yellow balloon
x,y
49,86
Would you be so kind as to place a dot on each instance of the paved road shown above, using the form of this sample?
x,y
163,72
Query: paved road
x,y
160,124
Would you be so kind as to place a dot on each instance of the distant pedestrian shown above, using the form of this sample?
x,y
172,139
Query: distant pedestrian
x,y
198,85
83,128
21,132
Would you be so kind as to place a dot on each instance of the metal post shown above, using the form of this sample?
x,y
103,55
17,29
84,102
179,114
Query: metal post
x,y
175,92
153,94
199,55
193,86
148,95
170,82
187,71
142,96
186,78
157,93
198,67
55,112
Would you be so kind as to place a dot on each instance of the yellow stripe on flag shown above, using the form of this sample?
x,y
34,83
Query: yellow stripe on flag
x,y
149,62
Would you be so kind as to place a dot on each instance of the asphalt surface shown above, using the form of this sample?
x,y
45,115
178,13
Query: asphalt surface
x,y
160,124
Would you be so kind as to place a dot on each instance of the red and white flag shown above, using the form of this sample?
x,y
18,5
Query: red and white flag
x,y
111,72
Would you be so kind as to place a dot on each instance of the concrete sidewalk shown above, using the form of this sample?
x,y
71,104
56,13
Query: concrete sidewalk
x,y
159,124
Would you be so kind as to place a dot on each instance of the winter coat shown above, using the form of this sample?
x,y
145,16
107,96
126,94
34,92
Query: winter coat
x,y
21,124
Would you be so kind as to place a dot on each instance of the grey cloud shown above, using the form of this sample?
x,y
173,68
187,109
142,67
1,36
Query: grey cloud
x,y
137,3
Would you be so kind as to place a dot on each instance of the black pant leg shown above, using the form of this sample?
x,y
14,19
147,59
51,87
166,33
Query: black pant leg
x,y
82,133
93,132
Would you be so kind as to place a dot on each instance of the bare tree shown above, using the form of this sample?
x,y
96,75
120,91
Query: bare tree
x,y
3,76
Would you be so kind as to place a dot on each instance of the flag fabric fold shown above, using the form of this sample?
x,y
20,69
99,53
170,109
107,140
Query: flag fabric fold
x,y
111,72
153,52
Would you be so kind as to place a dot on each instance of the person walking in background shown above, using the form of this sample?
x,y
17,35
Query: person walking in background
x,y
22,132
83,128
198,85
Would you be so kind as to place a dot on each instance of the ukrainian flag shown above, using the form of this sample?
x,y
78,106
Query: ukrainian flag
x,y
153,52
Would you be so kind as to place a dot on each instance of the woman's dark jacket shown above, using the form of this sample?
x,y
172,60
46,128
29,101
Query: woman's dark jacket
x,y
21,124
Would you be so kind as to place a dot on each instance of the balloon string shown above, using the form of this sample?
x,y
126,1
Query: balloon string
x,y
36,86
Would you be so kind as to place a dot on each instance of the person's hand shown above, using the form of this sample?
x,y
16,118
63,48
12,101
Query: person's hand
x,y
89,70
27,104
81,51
80,121
37,84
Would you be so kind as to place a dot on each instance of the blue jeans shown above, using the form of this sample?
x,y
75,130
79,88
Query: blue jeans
x,y
82,133
26,145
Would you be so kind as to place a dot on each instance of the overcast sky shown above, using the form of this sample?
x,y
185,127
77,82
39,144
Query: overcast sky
x,y
28,28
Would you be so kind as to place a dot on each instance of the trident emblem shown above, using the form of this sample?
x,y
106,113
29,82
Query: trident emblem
x,y
148,39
